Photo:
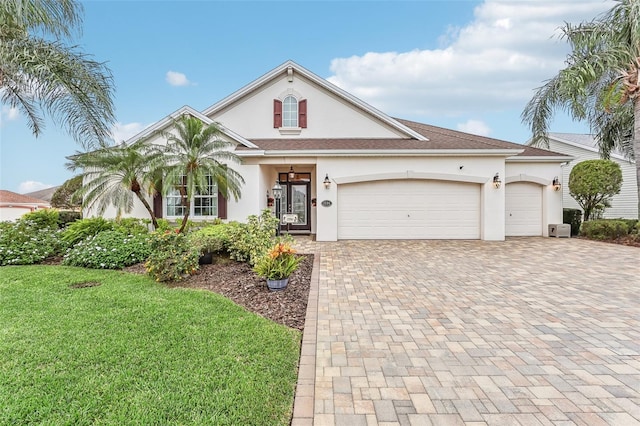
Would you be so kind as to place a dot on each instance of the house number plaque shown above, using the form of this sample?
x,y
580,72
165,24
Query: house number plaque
x,y
326,203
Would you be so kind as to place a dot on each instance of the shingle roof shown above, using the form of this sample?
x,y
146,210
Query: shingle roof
x,y
43,194
8,197
438,139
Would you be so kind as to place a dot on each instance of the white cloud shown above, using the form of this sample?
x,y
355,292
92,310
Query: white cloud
x,y
9,114
175,78
476,127
121,132
495,62
31,186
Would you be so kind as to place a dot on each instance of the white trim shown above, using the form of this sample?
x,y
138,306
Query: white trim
x,y
410,174
540,159
283,68
381,152
167,120
590,148
527,178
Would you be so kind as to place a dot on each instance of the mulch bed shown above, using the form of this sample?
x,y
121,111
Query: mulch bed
x,y
236,281
627,240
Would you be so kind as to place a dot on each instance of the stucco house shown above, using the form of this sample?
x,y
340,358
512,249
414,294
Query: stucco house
x,y
350,171
584,147
13,205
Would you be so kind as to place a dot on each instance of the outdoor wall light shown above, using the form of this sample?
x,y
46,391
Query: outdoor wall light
x,y
556,184
277,191
292,174
327,182
496,181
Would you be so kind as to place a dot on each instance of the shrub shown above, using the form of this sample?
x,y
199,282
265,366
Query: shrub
x,y
631,224
574,218
25,242
248,242
44,218
604,229
109,250
172,256
66,217
84,228
131,225
592,183
211,239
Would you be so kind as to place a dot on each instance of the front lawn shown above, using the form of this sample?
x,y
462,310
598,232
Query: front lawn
x,y
130,351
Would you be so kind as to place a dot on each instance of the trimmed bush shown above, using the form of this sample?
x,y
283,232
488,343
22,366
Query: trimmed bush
x,y
45,218
604,229
82,229
248,242
109,250
25,242
211,239
574,218
172,256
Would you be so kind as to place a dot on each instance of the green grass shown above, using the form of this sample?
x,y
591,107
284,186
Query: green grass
x,y
131,351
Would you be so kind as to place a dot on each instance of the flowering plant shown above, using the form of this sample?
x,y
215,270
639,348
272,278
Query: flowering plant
x,y
279,262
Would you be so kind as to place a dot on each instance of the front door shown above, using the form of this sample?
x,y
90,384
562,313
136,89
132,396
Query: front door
x,y
296,202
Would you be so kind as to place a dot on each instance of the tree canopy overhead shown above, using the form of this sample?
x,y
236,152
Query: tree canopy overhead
x,y
41,72
600,83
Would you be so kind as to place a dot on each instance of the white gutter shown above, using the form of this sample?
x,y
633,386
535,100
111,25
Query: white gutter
x,y
382,152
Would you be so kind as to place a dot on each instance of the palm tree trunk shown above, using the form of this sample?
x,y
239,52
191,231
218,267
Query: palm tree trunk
x,y
149,209
636,144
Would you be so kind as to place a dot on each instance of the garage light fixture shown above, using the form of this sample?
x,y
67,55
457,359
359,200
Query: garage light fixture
x,y
556,184
496,181
326,182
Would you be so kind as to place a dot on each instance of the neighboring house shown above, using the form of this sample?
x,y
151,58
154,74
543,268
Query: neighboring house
x,y
584,147
43,194
386,178
13,205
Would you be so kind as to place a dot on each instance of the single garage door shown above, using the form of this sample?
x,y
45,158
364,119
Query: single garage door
x,y
523,209
409,209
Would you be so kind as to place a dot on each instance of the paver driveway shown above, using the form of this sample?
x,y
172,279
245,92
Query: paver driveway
x,y
527,331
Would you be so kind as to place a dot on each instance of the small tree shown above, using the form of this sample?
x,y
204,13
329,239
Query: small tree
x,y
67,197
592,183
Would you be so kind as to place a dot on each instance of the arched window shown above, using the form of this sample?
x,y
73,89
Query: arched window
x,y
290,112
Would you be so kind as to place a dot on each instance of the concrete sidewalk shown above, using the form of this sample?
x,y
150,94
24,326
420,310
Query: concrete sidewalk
x,y
529,331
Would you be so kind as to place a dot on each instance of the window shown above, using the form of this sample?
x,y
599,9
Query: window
x,y
205,202
290,112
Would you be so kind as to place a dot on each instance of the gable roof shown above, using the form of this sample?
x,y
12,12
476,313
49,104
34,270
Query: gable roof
x,y
167,120
284,68
585,141
43,194
8,198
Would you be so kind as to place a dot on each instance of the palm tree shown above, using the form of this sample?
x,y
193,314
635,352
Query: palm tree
x,y
112,175
600,84
195,154
40,73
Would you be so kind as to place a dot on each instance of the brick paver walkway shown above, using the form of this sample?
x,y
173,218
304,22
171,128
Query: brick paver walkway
x,y
530,331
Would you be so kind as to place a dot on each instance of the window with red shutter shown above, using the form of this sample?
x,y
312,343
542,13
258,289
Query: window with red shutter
x,y
277,113
302,113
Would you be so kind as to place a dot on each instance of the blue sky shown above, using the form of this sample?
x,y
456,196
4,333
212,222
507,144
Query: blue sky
x,y
466,65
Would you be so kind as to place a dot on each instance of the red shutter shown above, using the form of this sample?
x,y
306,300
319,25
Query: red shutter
x,y
222,206
157,206
302,113
277,113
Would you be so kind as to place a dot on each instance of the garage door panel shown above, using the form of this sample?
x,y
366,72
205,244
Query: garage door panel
x,y
409,209
523,209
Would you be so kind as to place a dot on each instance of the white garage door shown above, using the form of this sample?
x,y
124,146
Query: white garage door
x,y
523,209
409,209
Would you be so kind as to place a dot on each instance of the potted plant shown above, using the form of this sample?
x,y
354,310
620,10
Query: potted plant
x,y
277,265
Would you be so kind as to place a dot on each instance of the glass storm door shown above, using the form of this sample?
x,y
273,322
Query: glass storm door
x,y
296,201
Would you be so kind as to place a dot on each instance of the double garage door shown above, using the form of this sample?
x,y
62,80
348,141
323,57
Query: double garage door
x,y
409,209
